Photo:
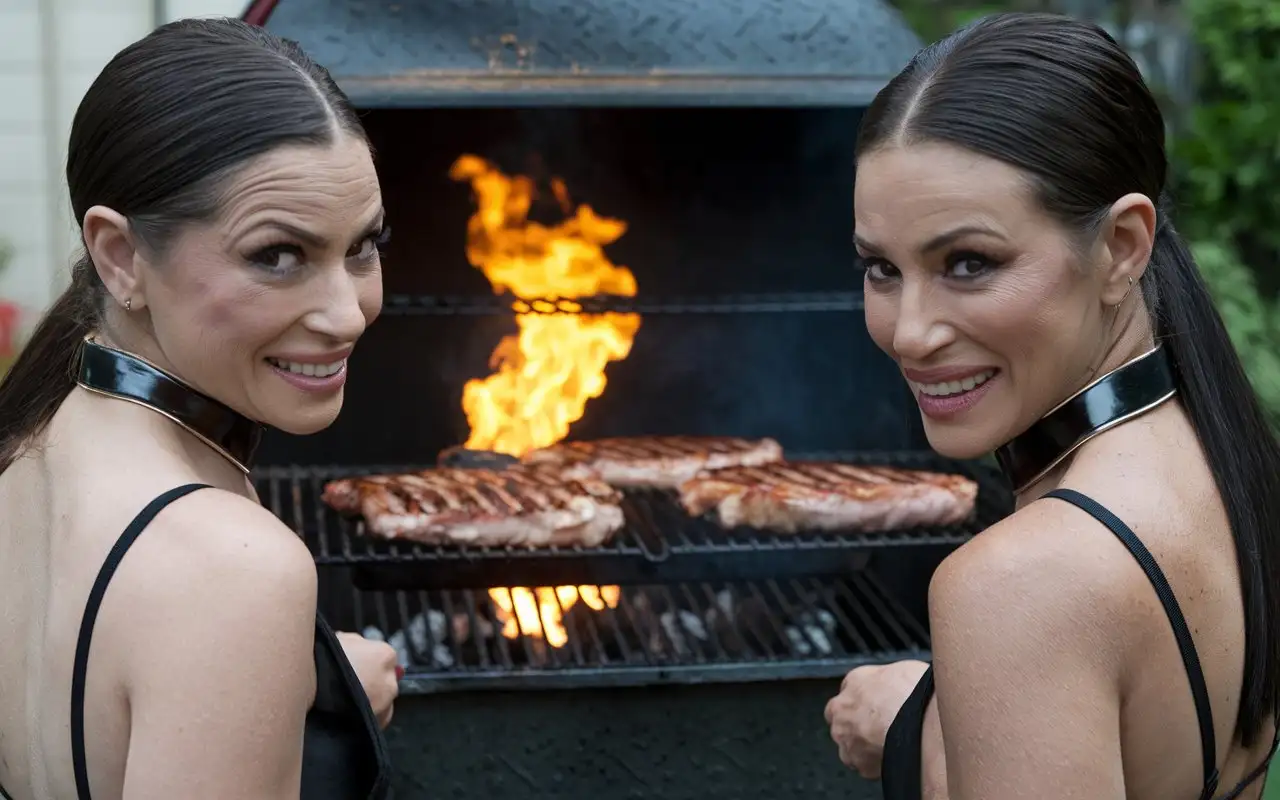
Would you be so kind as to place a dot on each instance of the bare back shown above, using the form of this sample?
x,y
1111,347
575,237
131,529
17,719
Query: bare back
x,y
1147,475
67,500
1053,564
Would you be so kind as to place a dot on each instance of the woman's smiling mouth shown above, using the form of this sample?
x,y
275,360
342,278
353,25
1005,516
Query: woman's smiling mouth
x,y
944,393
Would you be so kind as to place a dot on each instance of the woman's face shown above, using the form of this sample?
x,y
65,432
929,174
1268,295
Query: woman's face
x,y
262,308
974,292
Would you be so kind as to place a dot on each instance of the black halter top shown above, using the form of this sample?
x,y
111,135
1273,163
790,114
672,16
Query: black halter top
x,y
1128,392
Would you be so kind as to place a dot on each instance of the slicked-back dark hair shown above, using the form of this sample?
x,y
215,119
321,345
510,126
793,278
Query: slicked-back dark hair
x,y
1063,102
167,122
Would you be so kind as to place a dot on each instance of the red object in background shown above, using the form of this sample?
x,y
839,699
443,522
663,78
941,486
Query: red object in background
x,y
9,314
258,12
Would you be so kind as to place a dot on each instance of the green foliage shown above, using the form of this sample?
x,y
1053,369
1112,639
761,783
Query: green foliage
x,y
1228,151
933,19
1227,164
1251,319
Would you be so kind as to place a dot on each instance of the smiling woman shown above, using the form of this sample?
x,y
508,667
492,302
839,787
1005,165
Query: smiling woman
x,y
1120,638
232,222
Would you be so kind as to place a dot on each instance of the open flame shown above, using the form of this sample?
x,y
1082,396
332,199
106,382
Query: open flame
x,y
545,373
539,612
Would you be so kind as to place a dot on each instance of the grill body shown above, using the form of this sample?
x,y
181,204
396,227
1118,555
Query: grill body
x,y
722,132
511,53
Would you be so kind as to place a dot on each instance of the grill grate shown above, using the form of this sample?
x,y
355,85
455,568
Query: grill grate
x,y
691,632
796,302
659,541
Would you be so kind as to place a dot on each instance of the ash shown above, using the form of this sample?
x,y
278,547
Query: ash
x,y
743,627
424,642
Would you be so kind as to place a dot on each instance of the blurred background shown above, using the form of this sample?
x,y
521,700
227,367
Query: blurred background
x,y
50,52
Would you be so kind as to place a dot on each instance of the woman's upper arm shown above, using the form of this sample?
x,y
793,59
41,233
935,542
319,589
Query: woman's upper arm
x,y
1027,658
221,682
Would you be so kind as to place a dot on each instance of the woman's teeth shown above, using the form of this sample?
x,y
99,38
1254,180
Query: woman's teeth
x,y
955,387
309,370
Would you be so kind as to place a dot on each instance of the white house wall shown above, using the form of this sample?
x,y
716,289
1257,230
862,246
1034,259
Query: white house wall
x,y
50,52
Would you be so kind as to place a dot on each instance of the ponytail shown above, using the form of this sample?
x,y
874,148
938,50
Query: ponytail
x,y
43,374
1241,449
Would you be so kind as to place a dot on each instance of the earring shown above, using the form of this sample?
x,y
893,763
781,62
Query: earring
x,y
128,304
1128,292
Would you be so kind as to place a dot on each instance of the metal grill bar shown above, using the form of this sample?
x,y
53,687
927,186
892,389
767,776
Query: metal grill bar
x,y
502,304
659,540
452,640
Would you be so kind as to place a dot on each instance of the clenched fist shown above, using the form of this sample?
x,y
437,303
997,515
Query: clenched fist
x,y
379,672
861,714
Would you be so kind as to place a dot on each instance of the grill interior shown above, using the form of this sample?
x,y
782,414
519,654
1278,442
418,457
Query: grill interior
x,y
738,236
659,541
695,604
682,632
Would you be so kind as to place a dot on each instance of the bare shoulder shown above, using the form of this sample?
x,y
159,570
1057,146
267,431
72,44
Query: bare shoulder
x,y
214,536
214,559
1049,576
217,625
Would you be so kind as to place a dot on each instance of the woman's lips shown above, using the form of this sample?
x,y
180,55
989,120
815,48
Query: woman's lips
x,y
325,379
946,399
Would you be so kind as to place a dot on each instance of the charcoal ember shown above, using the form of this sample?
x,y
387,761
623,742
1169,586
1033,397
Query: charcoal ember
x,y
683,628
812,633
646,617
743,626
422,641
464,631
597,631
462,458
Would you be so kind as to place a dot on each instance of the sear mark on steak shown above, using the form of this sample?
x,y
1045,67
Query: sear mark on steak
x,y
517,506
656,461
788,497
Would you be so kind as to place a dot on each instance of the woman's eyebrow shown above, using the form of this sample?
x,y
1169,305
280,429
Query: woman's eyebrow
x,y
863,244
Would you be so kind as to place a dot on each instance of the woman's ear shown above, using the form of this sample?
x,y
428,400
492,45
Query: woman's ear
x,y
115,255
1128,238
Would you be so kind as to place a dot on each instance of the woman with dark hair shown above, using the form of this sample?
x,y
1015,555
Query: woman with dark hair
x,y
1118,636
232,220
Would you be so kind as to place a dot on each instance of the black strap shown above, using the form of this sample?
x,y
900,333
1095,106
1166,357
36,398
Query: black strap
x,y
1186,645
81,665
1258,771
901,766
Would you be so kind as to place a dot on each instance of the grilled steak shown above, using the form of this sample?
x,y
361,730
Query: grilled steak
x,y
659,461
790,497
521,506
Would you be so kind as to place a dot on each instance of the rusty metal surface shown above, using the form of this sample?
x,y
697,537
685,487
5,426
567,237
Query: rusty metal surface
x,y
609,52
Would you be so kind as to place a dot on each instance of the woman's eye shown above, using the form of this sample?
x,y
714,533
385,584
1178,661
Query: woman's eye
x,y
371,245
365,250
280,259
878,269
967,266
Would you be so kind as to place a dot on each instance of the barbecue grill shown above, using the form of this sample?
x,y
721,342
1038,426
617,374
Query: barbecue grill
x,y
683,659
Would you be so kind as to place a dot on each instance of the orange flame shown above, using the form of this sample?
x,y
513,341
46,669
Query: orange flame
x,y
546,373
539,612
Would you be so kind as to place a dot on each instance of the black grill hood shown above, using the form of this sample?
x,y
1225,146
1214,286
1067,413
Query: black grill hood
x,y
602,52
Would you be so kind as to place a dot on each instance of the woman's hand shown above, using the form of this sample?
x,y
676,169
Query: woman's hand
x,y
379,673
861,714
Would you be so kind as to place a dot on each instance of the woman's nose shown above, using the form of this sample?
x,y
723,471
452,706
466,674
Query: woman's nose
x,y
920,330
